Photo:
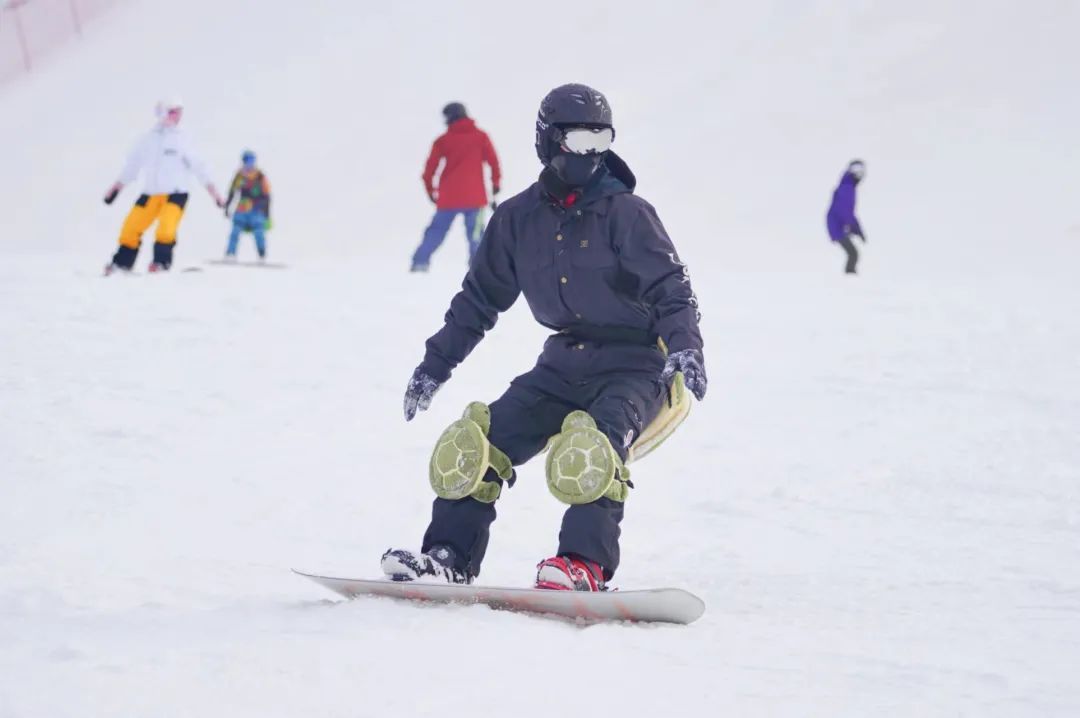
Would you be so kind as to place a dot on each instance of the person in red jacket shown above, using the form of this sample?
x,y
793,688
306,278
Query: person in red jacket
x,y
462,151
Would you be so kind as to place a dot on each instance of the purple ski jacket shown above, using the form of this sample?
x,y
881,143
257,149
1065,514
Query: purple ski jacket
x,y
841,219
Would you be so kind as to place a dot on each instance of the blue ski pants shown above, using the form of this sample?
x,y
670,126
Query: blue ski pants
x,y
254,222
440,225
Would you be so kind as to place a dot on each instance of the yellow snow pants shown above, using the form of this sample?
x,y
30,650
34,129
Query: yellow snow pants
x,y
167,209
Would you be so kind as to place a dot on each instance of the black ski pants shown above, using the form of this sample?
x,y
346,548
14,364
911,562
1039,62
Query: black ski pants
x,y
617,384
852,253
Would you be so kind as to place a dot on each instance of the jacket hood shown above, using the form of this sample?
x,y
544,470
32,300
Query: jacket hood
x,y
465,124
620,170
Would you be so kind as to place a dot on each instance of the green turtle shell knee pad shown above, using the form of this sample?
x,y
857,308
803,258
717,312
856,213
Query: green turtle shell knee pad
x,y
463,455
582,466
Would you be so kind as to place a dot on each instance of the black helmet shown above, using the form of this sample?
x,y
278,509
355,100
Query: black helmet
x,y
454,112
568,105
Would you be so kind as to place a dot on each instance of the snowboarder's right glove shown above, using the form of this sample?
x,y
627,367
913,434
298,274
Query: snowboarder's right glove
x,y
110,196
419,393
692,365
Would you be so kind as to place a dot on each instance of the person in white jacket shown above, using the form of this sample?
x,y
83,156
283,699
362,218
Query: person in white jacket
x,y
165,159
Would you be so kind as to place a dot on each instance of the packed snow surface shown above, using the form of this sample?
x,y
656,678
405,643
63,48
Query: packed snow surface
x,y
878,498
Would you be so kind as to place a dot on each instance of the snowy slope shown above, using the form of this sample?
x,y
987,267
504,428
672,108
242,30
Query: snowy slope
x,y
878,499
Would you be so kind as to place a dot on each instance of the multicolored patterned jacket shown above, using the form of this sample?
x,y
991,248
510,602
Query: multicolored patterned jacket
x,y
254,191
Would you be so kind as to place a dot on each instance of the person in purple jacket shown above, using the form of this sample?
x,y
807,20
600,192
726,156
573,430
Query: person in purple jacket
x,y
841,220
598,269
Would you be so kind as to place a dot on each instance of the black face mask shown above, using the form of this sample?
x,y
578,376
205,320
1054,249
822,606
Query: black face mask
x,y
574,169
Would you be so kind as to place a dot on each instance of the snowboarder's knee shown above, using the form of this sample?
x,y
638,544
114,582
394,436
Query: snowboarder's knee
x,y
462,456
582,466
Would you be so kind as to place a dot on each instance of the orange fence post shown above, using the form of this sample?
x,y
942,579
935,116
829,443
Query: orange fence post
x,y
13,6
75,16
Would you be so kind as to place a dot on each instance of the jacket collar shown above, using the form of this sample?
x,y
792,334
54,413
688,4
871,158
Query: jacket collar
x,y
612,178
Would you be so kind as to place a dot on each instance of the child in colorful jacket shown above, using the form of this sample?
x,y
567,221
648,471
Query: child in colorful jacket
x,y
252,212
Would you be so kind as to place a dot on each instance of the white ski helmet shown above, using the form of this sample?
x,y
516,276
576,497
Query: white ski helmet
x,y
165,105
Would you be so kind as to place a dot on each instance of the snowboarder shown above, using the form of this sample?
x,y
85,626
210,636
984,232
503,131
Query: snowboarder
x,y
167,159
596,266
463,150
841,221
252,212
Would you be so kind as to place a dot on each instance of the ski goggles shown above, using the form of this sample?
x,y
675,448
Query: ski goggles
x,y
586,140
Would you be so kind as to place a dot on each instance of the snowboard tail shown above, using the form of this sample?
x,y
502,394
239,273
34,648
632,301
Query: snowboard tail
x,y
655,605
245,263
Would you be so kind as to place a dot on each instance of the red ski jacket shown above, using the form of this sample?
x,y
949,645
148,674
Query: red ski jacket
x,y
465,148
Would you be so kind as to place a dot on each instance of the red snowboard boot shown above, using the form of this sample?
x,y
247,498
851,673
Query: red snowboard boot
x,y
569,573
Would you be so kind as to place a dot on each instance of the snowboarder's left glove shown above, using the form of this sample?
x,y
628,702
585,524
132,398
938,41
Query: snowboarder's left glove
x,y
419,393
692,365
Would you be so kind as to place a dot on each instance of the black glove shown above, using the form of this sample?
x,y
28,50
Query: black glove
x,y
419,392
692,365
111,196
861,236
226,210
494,205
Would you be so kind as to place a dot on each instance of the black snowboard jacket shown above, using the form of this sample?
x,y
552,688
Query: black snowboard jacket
x,y
589,261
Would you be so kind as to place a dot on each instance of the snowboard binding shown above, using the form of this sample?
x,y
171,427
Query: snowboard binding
x,y
437,565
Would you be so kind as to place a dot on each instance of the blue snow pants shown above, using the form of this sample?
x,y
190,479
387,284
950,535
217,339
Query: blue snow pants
x,y
440,225
618,384
254,222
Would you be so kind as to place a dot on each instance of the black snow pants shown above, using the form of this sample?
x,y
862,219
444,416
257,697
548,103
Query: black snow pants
x,y
852,253
618,384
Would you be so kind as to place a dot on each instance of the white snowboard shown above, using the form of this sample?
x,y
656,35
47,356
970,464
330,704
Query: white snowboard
x,y
660,605
245,263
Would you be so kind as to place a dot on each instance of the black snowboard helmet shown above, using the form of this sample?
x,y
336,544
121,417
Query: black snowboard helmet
x,y
453,112
570,105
